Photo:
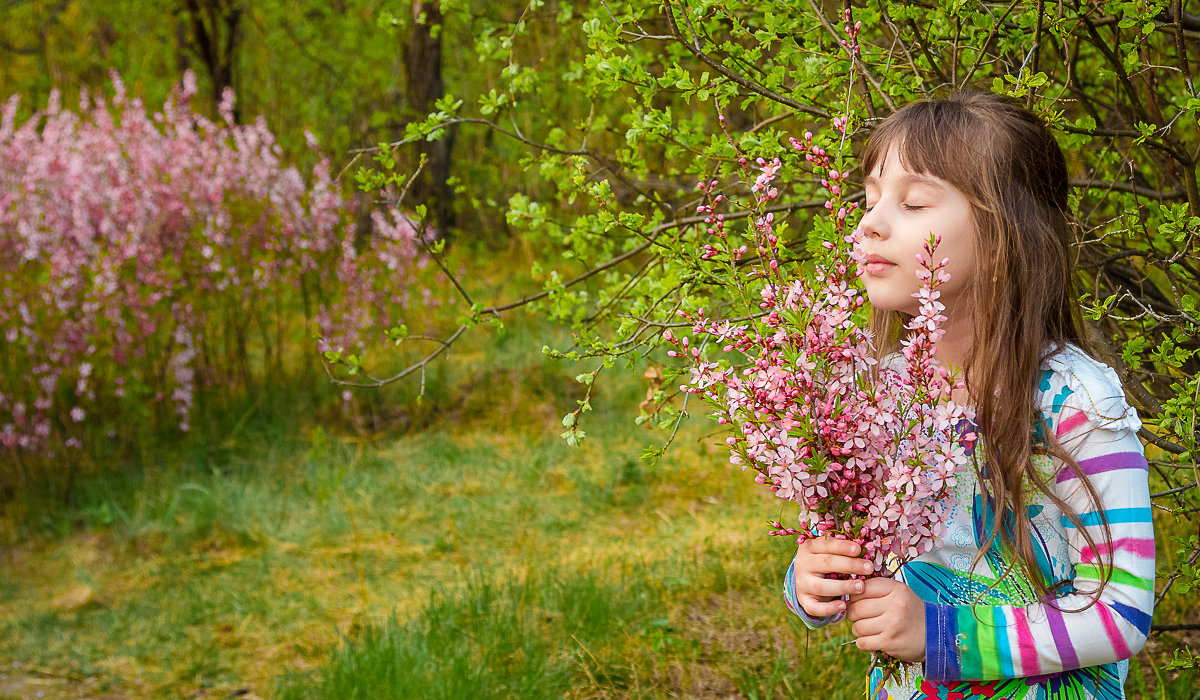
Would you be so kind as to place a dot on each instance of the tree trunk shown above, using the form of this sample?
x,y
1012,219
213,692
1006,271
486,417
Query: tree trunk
x,y
423,87
215,33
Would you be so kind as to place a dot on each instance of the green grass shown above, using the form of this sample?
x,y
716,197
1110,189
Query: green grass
x,y
217,564
632,630
450,548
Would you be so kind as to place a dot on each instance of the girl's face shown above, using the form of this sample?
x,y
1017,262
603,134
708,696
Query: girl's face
x,y
903,208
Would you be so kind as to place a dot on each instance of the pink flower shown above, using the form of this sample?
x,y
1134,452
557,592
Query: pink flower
x,y
129,235
864,450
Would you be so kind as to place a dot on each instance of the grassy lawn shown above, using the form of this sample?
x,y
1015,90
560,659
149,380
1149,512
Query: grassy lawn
x,y
477,556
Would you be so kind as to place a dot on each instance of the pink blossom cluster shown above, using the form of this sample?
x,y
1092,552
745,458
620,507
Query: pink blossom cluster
x,y
144,255
868,450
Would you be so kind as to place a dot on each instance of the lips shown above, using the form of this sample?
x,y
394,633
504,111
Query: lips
x,y
877,265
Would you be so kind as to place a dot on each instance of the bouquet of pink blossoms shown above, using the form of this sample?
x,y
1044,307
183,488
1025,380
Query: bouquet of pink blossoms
x,y
867,449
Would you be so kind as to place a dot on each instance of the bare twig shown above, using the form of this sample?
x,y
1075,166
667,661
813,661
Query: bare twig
x,y
408,185
1191,561
897,38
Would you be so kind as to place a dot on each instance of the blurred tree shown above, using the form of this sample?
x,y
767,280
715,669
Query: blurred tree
x,y
213,33
424,87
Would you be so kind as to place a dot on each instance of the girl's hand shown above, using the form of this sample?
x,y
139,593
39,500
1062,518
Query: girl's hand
x,y
889,617
815,560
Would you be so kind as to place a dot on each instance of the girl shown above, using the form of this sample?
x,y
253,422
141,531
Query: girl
x,y
1044,583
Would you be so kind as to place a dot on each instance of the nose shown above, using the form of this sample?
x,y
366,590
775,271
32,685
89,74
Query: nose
x,y
874,223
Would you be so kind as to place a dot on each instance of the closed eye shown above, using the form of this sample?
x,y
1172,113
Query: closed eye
x,y
912,207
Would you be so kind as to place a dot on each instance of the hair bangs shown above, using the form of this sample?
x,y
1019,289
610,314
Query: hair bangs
x,y
933,138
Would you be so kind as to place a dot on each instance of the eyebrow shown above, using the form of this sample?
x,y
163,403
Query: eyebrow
x,y
908,179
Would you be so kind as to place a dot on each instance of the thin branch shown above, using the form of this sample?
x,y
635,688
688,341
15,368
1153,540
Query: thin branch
x,y
1181,48
1178,489
497,127
1106,185
768,121
1115,133
1161,442
1191,561
633,280
1175,628
445,345
1118,66
991,34
686,324
898,39
928,56
695,49
604,163
854,58
1037,46
651,238
404,192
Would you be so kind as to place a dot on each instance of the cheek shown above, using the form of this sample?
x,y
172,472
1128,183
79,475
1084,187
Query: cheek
x,y
960,248
964,264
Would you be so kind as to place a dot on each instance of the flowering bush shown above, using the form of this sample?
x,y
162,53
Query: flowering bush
x,y
144,255
869,452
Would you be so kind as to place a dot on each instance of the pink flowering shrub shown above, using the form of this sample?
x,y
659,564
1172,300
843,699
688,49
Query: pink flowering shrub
x,y
868,451
143,256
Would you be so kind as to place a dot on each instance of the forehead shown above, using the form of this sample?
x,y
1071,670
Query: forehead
x,y
903,156
898,176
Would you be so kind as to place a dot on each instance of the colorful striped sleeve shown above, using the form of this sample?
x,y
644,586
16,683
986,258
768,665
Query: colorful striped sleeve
x,y
1079,629
789,598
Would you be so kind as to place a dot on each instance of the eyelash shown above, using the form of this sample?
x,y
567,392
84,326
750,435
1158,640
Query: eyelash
x,y
906,207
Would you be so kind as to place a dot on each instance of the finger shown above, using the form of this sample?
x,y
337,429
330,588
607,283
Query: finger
x,y
872,627
874,589
879,587
831,588
825,563
872,642
822,608
859,608
829,545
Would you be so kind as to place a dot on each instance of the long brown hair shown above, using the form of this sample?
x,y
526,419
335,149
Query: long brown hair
x,y
1013,173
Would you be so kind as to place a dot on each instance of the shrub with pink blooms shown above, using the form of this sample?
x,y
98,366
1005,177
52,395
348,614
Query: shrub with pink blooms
x,y
146,255
867,450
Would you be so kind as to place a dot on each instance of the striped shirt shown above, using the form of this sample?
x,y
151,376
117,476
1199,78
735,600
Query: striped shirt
x,y
988,634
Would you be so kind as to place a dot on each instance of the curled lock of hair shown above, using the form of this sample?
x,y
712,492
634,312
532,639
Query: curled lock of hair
x,y
1023,297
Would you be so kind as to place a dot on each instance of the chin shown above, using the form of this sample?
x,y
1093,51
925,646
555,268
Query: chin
x,y
882,301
